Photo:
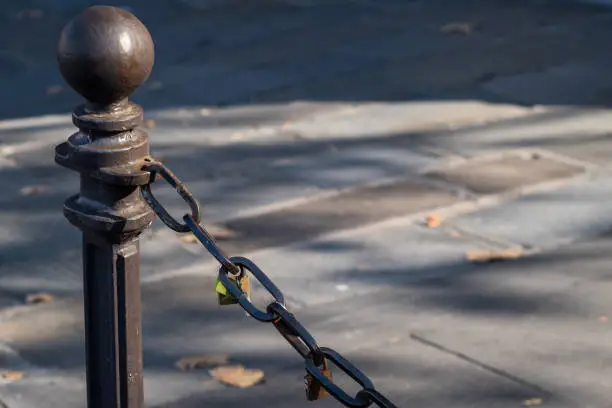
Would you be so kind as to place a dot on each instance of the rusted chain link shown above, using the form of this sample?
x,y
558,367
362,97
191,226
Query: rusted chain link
x,y
276,312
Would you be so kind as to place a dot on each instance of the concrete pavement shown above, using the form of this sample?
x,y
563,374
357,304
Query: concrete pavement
x,y
344,126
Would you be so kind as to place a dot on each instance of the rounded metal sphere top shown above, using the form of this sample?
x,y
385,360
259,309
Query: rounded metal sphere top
x,y
105,53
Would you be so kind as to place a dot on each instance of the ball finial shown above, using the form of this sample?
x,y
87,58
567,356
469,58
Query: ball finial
x,y
104,54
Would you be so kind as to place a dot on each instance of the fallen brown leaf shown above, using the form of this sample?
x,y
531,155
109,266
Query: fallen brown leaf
x,y
37,298
237,376
12,375
33,190
458,27
433,221
493,255
189,238
54,89
149,123
532,402
191,363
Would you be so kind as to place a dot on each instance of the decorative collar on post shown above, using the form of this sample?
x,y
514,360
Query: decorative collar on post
x,y
105,54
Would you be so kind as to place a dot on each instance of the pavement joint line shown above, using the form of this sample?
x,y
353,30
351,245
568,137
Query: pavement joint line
x,y
321,108
588,166
451,162
472,201
492,200
35,121
335,109
440,152
7,313
487,240
484,366
281,205
363,345
453,210
15,361
7,150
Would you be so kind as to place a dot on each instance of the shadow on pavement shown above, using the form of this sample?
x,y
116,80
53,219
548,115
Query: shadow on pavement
x,y
277,51
274,53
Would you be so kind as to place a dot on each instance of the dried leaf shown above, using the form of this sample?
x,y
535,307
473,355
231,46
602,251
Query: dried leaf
x,y
54,89
532,402
237,376
458,27
149,123
494,255
33,190
189,238
13,375
433,221
191,363
37,298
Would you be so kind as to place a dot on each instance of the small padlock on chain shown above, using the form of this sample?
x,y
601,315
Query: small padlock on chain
x,y
243,283
314,389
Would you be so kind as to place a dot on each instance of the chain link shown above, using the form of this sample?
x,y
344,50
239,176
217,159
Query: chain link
x,y
157,168
276,312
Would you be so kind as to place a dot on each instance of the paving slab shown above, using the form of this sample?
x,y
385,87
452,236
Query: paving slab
x,y
281,50
582,134
557,331
544,220
330,267
293,175
346,210
504,334
234,178
406,372
566,84
509,172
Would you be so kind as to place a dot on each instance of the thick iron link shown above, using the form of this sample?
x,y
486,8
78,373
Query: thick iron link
x,y
210,244
361,400
375,397
155,168
296,334
276,312
249,266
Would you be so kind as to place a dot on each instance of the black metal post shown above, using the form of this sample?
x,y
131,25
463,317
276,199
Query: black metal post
x,y
104,54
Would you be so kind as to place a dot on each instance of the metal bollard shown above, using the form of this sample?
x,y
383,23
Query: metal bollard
x,y
104,54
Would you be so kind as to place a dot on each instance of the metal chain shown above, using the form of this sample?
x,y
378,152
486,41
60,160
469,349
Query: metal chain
x,y
276,312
